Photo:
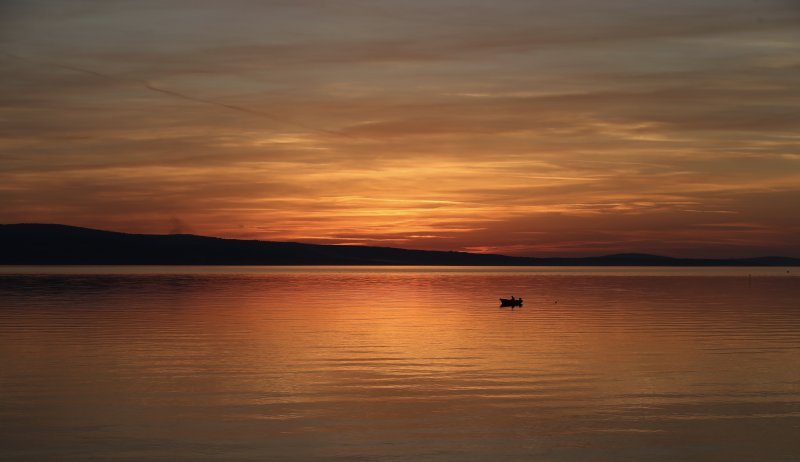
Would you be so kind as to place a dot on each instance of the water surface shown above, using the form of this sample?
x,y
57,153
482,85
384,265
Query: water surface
x,y
326,363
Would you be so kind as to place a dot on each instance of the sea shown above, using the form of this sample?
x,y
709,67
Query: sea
x,y
143,363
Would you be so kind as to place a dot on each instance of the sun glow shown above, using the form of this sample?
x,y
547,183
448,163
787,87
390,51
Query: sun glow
x,y
516,138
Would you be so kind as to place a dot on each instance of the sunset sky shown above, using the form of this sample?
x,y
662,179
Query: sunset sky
x,y
536,127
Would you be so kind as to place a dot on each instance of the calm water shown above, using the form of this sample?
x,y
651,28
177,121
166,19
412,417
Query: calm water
x,y
388,364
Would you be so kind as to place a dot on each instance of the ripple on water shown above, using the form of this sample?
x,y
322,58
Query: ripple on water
x,y
399,364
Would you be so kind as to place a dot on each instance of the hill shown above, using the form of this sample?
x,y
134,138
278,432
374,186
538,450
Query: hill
x,y
40,244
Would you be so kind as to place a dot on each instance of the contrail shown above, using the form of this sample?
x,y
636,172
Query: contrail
x,y
150,86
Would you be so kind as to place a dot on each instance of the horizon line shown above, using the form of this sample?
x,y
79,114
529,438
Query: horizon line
x,y
617,254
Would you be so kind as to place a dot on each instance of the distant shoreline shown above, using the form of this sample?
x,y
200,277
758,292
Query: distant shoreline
x,y
52,245
401,265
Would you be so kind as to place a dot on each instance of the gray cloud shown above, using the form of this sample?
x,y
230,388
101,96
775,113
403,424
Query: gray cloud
x,y
530,127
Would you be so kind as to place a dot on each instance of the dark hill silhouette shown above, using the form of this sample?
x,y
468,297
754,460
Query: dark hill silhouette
x,y
37,244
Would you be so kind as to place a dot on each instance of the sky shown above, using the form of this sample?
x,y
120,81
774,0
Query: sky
x,y
538,128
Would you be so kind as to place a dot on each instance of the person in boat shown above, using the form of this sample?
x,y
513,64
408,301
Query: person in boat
x,y
512,299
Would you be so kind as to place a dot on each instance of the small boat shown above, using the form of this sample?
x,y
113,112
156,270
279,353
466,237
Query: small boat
x,y
511,302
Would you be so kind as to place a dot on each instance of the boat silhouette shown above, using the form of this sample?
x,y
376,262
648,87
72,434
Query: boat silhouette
x,y
511,301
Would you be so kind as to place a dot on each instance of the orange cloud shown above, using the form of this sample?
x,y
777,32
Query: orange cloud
x,y
642,130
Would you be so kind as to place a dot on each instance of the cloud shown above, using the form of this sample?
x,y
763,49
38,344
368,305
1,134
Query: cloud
x,y
176,94
540,128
